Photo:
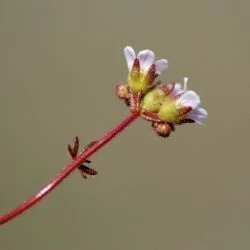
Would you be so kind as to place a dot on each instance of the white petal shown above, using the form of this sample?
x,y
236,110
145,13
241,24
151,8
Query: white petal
x,y
185,84
130,56
161,65
146,59
177,89
189,98
199,115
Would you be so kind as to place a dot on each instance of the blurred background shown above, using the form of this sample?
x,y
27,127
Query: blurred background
x,y
59,64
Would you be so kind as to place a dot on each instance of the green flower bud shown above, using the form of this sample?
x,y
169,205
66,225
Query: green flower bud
x,y
152,101
168,111
137,84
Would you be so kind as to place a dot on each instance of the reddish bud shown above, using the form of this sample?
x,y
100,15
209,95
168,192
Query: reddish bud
x,y
162,129
122,91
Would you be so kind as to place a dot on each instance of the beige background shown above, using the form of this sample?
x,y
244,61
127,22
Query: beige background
x,y
59,63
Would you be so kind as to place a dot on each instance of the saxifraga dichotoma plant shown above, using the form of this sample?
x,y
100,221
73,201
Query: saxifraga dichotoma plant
x,y
164,105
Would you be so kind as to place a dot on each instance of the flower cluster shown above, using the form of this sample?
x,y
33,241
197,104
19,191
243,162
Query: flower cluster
x,y
165,105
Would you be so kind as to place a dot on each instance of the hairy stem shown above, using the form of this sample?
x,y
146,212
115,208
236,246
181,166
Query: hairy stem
x,y
68,169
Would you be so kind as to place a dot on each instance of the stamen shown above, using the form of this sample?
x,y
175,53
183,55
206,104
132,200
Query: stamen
x,y
185,84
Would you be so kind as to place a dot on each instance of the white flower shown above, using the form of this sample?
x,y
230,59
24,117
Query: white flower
x,y
191,99
142,68
182,104
146,59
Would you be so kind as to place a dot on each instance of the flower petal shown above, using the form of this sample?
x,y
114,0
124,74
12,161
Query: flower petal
x,y
177,89
146,59
161,65
189,98
199,115
130,56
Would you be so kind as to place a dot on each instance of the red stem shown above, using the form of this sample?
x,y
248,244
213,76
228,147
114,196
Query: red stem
x,y
66,171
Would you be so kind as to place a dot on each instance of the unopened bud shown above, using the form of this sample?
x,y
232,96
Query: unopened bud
x,y
152,100
169,112
121,91
162,129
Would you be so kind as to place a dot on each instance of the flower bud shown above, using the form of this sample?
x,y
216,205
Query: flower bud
x,y
152,100
169,111
162,129
121,91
